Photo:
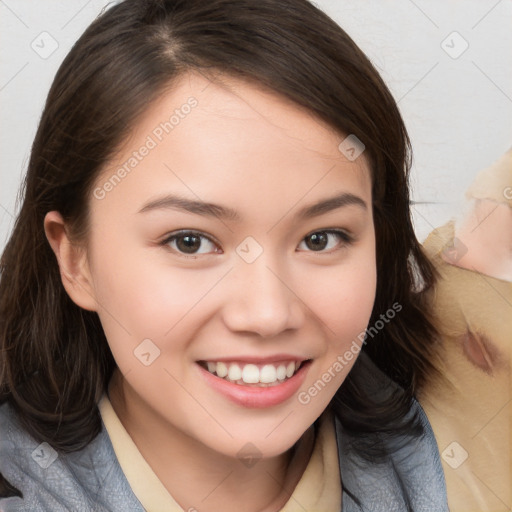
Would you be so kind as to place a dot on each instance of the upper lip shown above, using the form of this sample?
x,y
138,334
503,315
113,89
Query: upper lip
x,y
257,359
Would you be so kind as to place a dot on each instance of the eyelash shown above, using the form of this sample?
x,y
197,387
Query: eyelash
x,y
344,237
184,233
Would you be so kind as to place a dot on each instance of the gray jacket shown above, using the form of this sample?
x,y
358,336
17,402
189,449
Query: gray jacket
x,y
89,480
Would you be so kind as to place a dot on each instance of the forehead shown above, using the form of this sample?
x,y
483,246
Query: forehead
x,y
227,135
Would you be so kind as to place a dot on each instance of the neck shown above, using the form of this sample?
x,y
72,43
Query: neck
x,y
197,476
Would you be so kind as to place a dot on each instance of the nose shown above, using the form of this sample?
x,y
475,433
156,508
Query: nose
x,y
262,300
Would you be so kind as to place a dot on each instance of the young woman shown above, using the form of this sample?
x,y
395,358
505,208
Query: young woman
x,y
212,298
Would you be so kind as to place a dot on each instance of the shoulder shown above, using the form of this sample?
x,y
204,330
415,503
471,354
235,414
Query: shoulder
x,y
409,478
85,480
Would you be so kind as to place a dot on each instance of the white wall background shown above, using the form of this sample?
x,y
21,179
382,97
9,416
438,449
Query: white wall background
x,y
458,107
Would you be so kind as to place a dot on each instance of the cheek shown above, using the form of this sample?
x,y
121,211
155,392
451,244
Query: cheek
x,y
139,298
344,308
343,301
132,283
343,298
150,306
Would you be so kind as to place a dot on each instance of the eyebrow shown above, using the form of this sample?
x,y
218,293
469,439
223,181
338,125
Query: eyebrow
x,y
175,202
189,205
332,203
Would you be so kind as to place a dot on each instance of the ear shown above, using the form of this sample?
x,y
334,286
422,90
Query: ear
x,y
72,260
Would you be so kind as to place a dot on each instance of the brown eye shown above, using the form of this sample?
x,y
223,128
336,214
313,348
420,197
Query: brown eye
x,y
317,241
191,243
188,243
321,240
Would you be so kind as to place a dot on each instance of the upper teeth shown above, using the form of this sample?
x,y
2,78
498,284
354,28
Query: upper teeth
x,y
252,373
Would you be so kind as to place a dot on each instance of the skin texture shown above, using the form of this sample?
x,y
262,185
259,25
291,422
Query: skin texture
x,y
255,152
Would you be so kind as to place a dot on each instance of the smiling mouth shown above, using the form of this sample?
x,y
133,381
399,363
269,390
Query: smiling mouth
x,y
259,375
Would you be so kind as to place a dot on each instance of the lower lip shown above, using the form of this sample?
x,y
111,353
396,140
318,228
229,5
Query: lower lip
x,y
254,396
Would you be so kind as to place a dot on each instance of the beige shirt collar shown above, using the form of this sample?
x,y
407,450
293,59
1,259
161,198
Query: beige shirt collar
x,y
318,489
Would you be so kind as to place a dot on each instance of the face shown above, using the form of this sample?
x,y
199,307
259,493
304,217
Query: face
x,y
238,239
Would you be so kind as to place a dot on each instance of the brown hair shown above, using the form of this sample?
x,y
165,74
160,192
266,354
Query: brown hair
x,y
55,361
